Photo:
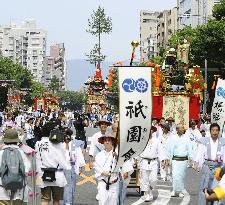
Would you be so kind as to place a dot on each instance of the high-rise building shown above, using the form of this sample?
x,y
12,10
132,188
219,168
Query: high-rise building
x,y
167,26
148,34
25,45
194,12
56,65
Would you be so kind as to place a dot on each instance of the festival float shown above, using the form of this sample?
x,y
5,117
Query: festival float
x,y
47,102
96,92
177,89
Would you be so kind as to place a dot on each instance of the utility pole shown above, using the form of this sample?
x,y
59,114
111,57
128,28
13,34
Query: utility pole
x,y
205,92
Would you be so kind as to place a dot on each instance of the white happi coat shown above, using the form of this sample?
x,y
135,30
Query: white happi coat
x,y
194,136
153,149
164,140
215,152
51,155
105,162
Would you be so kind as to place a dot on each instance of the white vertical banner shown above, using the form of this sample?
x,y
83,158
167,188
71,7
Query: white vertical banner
x,y
135,105
218,109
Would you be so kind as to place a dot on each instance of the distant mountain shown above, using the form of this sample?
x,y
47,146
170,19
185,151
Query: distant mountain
x,y
78,71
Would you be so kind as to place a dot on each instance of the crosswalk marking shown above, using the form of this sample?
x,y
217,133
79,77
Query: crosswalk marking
x,y
163,197
186,198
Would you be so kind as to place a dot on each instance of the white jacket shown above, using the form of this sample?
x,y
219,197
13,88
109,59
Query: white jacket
x,y
51,155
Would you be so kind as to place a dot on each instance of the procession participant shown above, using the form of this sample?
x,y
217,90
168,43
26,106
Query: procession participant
x,y
75,157
149,165
29,130
209,156
108,180
194,134
20,120
125,177
164,138
95,146
162,122
179,150
206,125
172,124
50,163
114,128
155,123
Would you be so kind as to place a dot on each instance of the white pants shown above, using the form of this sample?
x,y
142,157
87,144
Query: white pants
x,y
108,197
148,178
166,170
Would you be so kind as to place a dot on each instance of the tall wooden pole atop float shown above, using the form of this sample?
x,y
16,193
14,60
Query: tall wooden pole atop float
x,y
134,44
205,92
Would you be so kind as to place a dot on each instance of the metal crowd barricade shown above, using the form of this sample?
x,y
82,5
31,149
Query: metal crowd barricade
x,y
32,188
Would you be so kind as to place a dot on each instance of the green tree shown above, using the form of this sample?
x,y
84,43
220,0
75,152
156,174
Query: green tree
x,y
209,43
185,33
13,71
94,57
37,90
54,85
73,100
99,24
219,10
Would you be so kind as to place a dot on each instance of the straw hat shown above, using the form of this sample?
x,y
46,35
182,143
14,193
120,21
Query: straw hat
x,y
11,136
107,135
103,121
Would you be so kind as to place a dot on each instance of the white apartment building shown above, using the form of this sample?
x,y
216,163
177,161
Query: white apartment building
x,y
148,34
25,45
194,12
56,65
167,26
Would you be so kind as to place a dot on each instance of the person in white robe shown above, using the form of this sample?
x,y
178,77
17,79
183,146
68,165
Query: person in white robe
x,y
172,125
164,138
104,165
126,171
195,135
149,165
75,156
95,146
209,156
179,150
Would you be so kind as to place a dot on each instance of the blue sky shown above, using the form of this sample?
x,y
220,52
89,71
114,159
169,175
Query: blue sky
x,y
66,21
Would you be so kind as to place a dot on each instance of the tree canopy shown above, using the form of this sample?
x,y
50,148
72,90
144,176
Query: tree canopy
x,y
73,100
219,10
54,85
98,24
13,71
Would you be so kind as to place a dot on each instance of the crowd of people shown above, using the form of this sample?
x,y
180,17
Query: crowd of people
x,y
60,143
